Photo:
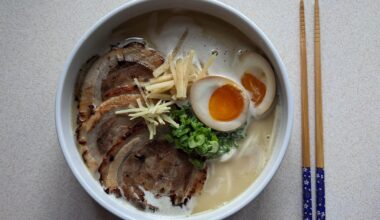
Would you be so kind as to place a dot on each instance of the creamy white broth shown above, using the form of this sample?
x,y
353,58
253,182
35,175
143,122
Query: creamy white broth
x,y
226,180
162,30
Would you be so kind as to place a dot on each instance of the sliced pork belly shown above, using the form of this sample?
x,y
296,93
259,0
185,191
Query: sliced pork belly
x,y
109,168
162,170
113,73
112,104
155,166
121,79
103,129
119,149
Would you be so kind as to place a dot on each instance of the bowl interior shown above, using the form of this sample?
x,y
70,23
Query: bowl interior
x,y
88,46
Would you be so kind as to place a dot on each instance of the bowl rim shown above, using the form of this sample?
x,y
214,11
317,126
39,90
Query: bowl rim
x,y
217,213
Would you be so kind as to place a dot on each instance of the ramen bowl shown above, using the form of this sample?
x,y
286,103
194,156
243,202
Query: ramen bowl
x,y
88,45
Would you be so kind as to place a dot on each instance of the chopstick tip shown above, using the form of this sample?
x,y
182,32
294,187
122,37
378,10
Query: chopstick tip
x,y
301,5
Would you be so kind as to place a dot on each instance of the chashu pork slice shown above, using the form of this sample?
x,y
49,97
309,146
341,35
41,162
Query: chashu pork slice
x,y
138,164
104,129
112,75
109,168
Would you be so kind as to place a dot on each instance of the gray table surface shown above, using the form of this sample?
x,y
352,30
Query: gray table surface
x,y
37,36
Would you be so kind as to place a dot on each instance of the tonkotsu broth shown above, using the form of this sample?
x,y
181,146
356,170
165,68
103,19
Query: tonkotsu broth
x,y
162,30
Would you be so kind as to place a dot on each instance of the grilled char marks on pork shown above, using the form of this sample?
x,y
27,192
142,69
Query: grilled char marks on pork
x,y
121,79
103,129
109,86
162,170
118,148
109,168
113,73
154,166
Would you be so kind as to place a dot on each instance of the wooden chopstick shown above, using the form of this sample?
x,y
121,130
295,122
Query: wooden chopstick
x,y
306,174
319,152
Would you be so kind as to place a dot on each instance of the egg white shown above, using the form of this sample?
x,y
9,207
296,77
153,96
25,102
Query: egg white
x,y
258,66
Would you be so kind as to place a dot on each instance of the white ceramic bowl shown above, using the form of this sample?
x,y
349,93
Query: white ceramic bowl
x,y
87,46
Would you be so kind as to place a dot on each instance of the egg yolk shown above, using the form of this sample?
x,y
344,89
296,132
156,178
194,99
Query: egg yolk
x,y
226,103
255,86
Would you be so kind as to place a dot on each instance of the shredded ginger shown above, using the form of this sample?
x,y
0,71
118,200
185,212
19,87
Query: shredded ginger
x,y
176,76
170,83
153,114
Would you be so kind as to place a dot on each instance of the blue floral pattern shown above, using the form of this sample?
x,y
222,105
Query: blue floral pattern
x,y
320,177
307,205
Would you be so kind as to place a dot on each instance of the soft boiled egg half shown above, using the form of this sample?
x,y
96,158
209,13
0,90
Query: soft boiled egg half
x,y
257,77
219,103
